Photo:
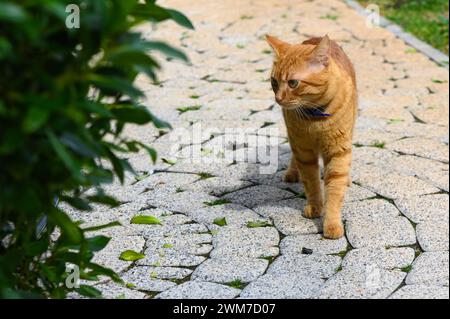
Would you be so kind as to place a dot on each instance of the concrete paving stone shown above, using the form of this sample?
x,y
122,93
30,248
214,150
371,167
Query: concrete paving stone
x,y
141,279
430,268
276,180
380,231
183,202
227,270
203,165
167,273
423,208
151,231
169,258
235,216
195,244
196,289
289,286
287,216
357,193
394,187
217,186
112,290
252,196
109,256
415,129
315,265
293,245
421,147
363,283
158,180
246,242
371,208
421,292
433,235
380,257
433,172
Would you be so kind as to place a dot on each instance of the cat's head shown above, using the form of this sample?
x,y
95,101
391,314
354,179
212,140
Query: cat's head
x,y
300,72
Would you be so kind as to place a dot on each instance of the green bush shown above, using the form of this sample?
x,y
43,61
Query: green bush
x,y
65,96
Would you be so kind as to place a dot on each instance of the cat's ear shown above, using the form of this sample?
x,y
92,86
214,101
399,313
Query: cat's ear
x,y
321,53
278,46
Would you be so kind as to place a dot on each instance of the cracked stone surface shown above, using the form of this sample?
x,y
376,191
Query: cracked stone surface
x,y
199,290
396,212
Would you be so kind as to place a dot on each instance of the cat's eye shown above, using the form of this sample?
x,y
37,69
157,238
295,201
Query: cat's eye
x,y
292,84
274,84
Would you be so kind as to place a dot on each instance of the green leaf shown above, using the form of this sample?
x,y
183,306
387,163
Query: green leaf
x,y
35,118
77,203
89,291
151,151
100,227
258,224
113,85
65,156
78,145
130,255
145,220
104,199
97,243
12,13
100,270
166,49
168,161
71,233
220,221
180,18
131,113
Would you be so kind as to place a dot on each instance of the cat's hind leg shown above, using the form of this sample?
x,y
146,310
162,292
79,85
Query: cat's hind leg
x,y
308,165
292,174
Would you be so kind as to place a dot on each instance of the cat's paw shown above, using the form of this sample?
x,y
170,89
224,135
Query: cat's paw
x,y
291,176
333,230
312,212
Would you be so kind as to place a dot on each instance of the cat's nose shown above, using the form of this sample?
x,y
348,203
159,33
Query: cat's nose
x,y
279,97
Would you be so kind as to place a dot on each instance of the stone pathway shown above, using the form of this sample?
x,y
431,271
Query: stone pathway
x,y
228,230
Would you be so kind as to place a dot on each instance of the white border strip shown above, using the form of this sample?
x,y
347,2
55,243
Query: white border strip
x,y
434,54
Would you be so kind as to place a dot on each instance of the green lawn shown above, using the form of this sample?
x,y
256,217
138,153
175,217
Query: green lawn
x,y
426,19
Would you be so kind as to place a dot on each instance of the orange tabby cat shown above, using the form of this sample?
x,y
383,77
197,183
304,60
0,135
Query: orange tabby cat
x,y
314,82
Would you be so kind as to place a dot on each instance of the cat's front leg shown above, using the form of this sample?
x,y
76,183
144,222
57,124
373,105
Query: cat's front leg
x,y
336,178
308,165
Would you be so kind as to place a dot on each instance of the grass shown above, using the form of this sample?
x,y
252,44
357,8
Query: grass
x,y
220,222
407,269
204,175
217,202
258,224
426,19
237,283
330,16
378,144
395,121
188,108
